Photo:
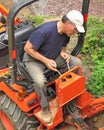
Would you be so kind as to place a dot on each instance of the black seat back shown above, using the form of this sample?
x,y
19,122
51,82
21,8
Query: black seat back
x,y
21,36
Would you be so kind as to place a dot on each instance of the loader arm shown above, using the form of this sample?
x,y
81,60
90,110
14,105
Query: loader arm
x,y
81,36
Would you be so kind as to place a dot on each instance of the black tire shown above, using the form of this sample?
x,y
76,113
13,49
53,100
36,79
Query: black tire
x,y
17,118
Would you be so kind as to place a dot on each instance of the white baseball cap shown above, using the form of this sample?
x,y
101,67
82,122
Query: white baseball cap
x,y
76,18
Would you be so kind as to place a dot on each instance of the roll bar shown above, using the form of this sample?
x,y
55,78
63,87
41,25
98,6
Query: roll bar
x,y
11,35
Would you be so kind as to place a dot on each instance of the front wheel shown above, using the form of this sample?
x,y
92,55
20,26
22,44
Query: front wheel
x,y
12,118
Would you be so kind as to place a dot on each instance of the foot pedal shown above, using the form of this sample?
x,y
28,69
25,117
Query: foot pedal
x,y
53,109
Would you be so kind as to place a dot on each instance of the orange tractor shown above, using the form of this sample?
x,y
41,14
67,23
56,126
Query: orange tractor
x,y
70,103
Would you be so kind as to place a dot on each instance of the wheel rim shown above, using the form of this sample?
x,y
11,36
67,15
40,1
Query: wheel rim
x,y
5,121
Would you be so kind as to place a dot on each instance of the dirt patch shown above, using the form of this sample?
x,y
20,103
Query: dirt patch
x,y
59,8
96,7
97,121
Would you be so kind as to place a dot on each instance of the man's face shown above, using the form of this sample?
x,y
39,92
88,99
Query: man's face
x,y
70,29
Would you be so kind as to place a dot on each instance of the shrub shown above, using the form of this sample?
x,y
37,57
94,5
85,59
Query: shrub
x,y
96,82
93,49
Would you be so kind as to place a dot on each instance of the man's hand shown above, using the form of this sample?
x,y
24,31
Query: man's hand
x,y
65,56
51,64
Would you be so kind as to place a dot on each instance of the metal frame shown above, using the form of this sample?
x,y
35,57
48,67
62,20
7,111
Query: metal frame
x,y
11,38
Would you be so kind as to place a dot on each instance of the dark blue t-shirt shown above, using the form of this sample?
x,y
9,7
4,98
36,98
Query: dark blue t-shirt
x,y
47,40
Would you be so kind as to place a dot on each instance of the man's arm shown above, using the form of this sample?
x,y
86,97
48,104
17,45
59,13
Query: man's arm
x,y
51,64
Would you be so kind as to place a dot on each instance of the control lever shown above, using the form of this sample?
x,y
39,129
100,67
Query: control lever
x,y
60,72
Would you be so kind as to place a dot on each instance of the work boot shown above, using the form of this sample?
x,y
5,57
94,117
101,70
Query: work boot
x,y
46,115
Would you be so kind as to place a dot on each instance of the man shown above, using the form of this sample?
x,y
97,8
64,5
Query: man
x,y
46,47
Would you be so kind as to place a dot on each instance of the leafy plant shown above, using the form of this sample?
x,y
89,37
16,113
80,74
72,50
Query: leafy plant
x,y
37,19
96,82
95,36
93,50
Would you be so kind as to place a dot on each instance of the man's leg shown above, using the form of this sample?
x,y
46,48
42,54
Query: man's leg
x,y
74,61
62,65
35,70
